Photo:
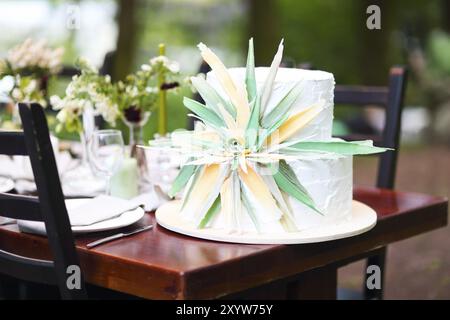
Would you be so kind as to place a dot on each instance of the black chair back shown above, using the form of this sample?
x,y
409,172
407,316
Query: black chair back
x,y
391,99
48,207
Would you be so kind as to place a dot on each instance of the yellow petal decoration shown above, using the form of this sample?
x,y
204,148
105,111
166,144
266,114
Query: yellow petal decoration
x,y
237,95
260,192
228,203
204,192
294,124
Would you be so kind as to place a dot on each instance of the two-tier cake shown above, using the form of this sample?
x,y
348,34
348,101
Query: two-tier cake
x,y
329,180
263,160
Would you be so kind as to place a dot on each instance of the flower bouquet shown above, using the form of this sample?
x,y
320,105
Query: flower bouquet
x,y
30,65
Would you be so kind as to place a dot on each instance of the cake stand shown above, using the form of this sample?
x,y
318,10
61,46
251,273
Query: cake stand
x,y
363,219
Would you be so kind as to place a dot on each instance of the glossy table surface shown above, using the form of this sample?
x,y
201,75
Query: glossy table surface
x,y
160,264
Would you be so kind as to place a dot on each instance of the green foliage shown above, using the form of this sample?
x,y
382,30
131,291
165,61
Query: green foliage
x,y
288,182
213,210
182,179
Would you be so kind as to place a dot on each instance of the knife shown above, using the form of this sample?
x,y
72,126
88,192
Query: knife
x,y
117,236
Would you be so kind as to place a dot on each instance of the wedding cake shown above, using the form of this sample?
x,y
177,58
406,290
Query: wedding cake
x,y
329,181
263,161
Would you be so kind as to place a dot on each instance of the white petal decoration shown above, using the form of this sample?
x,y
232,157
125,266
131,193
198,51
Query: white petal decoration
x,y
268,84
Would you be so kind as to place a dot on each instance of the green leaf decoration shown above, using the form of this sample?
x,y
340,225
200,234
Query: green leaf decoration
x,y
213,210
339,147
252,130
190,185
205,114
288,182
282,108
250,78
182,179
287,220
267,132
211,97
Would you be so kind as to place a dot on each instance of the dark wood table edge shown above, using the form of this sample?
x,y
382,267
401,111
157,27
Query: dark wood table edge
x,y
368,242
172,284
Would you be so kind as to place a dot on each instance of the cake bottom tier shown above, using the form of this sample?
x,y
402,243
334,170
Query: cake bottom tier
x,y
330,184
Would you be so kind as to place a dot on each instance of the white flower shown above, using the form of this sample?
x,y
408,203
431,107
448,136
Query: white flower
x,y
31,54
31,87
85,64
132,91
17,94
56,102
62,116
151,89
146,67
108,110
174,67
159,60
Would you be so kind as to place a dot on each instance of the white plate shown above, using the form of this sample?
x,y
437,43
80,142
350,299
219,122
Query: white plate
x,y
6,184
126,219
363,219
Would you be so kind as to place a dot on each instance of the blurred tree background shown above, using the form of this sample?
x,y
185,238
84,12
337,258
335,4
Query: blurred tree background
x,y
330,35
120,35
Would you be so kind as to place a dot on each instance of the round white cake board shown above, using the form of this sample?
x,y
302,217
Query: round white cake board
x,y
363,219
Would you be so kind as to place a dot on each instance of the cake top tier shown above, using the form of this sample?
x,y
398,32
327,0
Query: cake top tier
x,y
316,86
284,75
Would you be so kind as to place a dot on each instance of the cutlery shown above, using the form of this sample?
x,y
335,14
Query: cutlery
x,y
117,236
5,223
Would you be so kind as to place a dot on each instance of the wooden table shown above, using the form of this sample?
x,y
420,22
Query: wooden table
x,y
160,264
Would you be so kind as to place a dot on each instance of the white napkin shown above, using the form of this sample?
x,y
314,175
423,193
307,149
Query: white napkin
x,y
100,208
151,199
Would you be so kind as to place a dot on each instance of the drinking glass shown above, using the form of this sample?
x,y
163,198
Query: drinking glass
x,y
106,153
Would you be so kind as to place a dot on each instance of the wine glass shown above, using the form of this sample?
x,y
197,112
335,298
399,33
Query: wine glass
x,y
106,153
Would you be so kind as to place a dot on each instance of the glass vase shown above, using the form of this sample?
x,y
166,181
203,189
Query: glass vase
x,y
135,120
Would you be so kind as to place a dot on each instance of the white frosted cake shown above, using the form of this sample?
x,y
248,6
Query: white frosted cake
x,y
263,160
329,181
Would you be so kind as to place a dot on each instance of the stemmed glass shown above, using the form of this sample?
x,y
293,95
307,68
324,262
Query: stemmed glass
x,y
106,153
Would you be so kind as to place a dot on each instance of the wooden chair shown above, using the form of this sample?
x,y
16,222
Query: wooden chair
x,y
391,99
48,207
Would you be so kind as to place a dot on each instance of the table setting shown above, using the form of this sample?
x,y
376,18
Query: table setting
x,y
108,184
